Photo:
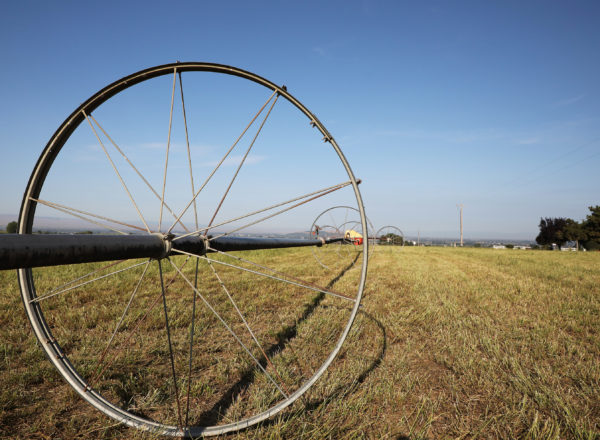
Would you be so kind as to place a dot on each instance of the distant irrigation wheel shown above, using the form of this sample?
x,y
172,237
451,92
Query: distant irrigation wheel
x,y
337,222
390,236
190,345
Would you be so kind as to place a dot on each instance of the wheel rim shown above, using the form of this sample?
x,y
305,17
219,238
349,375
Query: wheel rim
x,y
93,380
390,235
333,223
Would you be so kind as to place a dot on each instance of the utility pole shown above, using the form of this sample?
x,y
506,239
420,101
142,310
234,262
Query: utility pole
x,y
461,227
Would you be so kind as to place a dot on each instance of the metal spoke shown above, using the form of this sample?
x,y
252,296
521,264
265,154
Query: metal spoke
x,y
189,154
205,301
277,213
192,326
343,228
135,169
233,303
316,289
276,272
102,225
40,298
221,161
57,205
162,199
116,171
242,162
83,276
162,286
102,368
118,326
338,186
331,217
345,220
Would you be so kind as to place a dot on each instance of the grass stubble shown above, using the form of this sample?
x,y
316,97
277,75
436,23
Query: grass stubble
x,y
449,343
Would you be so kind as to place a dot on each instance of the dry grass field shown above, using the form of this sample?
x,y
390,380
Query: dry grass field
x,y
449,343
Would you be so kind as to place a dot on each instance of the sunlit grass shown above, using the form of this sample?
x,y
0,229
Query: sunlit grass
x,y
449,343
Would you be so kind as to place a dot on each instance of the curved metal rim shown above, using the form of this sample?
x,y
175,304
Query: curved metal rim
x,y
363,226
394,227
27,213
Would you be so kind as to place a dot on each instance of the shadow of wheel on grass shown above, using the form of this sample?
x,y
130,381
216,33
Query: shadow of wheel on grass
x,y
287,334
348,387
345,389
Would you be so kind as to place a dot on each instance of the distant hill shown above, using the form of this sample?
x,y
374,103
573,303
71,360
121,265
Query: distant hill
x,y
52,223
72,224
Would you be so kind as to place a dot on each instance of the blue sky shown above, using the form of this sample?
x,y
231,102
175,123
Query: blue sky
x,y
492,105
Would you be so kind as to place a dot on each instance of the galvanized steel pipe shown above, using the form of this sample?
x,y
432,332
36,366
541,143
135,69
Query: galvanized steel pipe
x,y
36,250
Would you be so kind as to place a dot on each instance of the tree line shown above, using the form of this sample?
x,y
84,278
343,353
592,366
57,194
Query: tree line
x,y
560,230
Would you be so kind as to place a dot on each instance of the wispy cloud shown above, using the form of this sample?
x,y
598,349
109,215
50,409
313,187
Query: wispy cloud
x,y
568,101
320,50
328,49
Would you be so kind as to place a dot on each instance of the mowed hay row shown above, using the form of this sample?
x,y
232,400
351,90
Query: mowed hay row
x,y
449,343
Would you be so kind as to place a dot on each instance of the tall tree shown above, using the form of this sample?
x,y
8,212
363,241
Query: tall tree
x,y
591,228
552,231
574,231
11,228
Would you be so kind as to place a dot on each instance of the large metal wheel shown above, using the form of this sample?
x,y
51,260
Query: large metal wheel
x,y
335,222
390,236
190,345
